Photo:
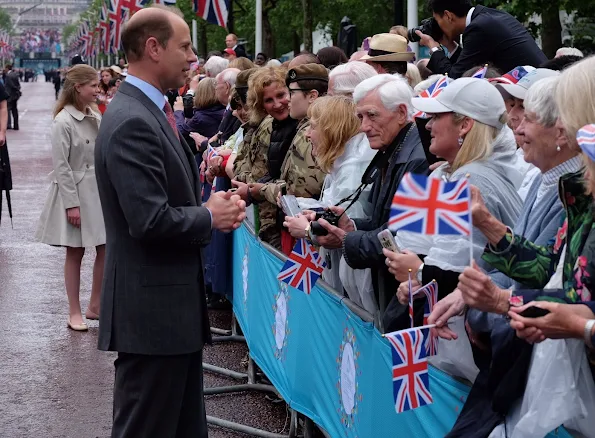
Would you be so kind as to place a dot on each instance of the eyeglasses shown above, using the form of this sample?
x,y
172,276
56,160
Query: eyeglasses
x,y
293,90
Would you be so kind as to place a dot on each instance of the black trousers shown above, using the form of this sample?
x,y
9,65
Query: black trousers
x,y
159,397
13,113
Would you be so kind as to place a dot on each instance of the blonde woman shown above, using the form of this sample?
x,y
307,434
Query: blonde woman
x,y
468,127
72,215
344,154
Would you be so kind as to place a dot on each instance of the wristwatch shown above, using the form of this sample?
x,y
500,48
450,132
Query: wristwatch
x,y
307,231
435,49
419,274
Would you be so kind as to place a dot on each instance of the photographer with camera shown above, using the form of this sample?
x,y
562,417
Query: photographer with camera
x,y
490,36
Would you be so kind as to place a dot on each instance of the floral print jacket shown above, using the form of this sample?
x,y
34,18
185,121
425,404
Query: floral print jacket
x,y
534,265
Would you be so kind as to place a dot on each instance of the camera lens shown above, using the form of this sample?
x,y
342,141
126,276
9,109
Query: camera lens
x,y
412,36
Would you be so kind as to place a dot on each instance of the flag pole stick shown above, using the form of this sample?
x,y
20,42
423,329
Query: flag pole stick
x,y
410,301
428,326
470,225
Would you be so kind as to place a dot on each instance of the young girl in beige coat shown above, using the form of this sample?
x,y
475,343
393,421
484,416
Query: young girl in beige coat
x,y
72,215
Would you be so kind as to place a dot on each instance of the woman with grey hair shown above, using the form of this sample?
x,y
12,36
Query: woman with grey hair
x,y
547,148
215,65
343,79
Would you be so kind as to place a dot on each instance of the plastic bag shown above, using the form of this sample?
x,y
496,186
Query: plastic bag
x,y
358,285
455,357
560,390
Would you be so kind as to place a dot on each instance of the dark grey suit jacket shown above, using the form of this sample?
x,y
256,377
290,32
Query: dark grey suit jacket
x,y
153,299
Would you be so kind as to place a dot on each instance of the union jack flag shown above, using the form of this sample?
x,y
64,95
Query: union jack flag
x,y
133,5
211,153
303,268
433,90
117,17
431,292
481,73
213,11
428,205
411,386
104,29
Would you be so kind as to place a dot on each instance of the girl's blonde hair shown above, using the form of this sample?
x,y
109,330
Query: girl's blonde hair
x,y
478,142
574,98
337,123
205,95
80,74
259,80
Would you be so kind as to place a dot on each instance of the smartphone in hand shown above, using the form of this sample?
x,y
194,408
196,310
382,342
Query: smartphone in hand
x,y
387,240
534,312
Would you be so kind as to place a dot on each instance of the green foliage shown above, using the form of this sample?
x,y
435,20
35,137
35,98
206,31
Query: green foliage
x,y
5,20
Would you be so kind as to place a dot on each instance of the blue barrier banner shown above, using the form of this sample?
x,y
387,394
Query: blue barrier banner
x,y
324,360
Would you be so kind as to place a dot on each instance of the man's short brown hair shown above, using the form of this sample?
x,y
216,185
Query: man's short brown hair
x,y
136,32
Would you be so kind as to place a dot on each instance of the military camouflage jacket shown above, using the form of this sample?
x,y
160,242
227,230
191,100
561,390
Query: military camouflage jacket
x,y
251,162
299,172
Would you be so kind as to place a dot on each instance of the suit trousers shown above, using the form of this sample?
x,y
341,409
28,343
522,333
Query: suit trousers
x,y
13,113
159,397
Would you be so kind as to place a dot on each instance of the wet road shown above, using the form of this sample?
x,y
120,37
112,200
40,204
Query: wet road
x,y
53,381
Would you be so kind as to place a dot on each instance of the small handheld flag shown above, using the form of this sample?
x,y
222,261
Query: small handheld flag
x,y
481,73
431,292
411,386
433,90
428,205
303,268
211,153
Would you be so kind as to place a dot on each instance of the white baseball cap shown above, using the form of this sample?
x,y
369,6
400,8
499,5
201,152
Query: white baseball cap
x,y
471,97
519,90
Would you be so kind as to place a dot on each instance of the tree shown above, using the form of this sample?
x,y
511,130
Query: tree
x,y
5,20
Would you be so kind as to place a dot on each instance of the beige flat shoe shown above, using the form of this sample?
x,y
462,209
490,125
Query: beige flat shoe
x,y
91,315
77,327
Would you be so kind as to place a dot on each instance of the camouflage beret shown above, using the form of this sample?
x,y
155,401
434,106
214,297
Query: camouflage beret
x,y
307,72
243,76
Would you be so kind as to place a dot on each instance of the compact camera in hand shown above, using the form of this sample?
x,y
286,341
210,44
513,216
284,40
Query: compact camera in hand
x,y
327,215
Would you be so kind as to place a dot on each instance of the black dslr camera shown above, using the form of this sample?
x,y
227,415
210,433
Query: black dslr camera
x,y
429,26
327,215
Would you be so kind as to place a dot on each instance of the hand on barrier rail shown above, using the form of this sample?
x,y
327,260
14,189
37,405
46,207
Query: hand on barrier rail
x,y
227,209
449,306
400,264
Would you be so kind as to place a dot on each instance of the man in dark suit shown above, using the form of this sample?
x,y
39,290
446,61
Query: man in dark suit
x,y
153,308
231,42
13,88
490,36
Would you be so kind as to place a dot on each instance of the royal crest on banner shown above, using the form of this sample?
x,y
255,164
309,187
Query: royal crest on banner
x,y
281,325
348,373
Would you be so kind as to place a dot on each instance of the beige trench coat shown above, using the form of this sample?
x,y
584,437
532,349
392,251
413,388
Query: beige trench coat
x,y
72,182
